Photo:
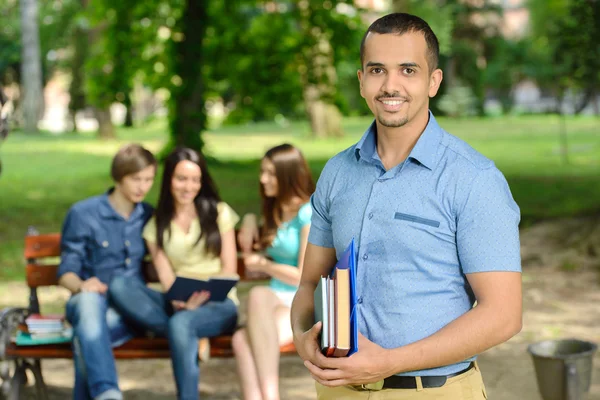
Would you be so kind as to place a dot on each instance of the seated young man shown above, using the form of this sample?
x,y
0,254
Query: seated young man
x,y
102,239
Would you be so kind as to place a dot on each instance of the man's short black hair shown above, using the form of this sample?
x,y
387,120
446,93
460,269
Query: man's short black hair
x,y
399,24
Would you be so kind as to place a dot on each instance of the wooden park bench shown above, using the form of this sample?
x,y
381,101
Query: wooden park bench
x,y
41,252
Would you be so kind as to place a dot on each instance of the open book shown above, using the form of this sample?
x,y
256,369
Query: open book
x,y
183,288
335,300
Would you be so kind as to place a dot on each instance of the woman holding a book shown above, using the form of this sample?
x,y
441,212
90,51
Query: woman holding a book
x,y
190,235
275,248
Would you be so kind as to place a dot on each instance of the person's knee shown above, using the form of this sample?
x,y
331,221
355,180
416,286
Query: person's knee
x,y
88,311
239,341
260,299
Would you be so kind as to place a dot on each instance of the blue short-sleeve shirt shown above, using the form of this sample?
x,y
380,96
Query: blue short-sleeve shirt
x,y
98,242
446,211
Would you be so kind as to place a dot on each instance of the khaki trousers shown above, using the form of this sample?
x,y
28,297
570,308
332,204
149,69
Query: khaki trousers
x,y
467,386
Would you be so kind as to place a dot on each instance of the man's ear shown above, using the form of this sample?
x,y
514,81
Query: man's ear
x,y
359,74
435,80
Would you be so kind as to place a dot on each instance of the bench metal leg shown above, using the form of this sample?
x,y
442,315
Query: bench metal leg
x,y
4,378
40,386
17,381
12,386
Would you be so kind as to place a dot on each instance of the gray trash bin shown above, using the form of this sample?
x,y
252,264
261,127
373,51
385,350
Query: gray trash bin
x,y
563,368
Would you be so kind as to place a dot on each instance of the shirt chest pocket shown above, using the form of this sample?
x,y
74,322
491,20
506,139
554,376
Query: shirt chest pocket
x,y
103,251
423,233
416,219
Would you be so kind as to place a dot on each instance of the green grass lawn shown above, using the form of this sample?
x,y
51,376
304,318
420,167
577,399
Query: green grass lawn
x,y
44,174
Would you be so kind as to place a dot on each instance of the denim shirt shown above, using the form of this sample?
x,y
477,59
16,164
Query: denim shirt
x,y
421,228
98,242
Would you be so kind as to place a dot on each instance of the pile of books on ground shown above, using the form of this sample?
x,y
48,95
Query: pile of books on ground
x,y
44,329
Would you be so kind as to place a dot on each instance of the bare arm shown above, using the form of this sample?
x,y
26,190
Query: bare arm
x,y
228,253
165,273
318,261
71,281
248,233
496,318
287,273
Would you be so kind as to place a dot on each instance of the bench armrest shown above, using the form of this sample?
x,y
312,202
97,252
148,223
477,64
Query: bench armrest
x,y
10,318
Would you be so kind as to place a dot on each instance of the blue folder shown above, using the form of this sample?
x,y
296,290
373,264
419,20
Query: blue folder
x,y
183,288
348,261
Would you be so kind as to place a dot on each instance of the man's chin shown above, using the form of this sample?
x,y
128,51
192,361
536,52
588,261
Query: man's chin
x,y
397,123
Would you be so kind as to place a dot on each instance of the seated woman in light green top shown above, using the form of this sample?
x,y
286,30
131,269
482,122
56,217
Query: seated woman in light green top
x,y
286,187
191,234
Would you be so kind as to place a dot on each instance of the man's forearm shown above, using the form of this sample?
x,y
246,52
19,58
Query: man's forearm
x,y
474,332
71,281
303,309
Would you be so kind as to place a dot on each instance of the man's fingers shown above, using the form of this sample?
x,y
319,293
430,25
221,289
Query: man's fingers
x,y
325,374
316,328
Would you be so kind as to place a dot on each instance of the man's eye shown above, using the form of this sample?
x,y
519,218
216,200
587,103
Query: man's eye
x,y
409,71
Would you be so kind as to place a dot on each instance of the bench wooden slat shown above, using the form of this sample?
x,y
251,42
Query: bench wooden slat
x,y
37,246
220,346
41,275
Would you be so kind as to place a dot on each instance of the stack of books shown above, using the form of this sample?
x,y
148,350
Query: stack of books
x,y
41,329
334,300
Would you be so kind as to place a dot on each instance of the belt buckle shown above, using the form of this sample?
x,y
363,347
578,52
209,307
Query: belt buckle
x,y
372,386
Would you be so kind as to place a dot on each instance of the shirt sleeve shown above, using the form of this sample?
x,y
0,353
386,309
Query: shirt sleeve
x,y
320,227
227,218
487,232
305,214
149,232
74,236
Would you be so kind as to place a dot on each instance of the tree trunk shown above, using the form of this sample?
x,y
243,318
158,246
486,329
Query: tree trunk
x,y
106,129
129,111
319,77
401,6
587,97
31,66
187,116
76,91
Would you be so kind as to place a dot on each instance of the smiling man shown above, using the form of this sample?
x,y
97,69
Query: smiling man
x,y
437,230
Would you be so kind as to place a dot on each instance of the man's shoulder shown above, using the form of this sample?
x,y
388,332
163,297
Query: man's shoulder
x,y
462,151
344,158
86,206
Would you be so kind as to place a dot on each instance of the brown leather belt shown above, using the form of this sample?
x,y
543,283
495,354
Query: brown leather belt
x,y
410,382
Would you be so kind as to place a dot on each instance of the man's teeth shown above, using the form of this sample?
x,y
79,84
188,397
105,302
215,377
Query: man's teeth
x,y
392,102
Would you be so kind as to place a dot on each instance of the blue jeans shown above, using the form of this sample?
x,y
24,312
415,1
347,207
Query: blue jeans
x,y
150,310
96,329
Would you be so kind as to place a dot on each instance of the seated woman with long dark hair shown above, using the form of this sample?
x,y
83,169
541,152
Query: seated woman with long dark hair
x,y
191,234
286,185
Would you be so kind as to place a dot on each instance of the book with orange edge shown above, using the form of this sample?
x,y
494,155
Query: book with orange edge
x,y
335,303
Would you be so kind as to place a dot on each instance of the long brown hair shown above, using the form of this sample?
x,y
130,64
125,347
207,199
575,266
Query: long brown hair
x,y
294,179
205,202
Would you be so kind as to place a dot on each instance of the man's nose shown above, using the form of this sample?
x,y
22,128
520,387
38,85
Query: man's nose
x,y
393,83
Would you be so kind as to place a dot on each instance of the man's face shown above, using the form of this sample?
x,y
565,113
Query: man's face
x,y
136,186
395,79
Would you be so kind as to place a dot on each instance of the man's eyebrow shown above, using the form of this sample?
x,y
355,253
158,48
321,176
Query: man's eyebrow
x,y
409,64
404,65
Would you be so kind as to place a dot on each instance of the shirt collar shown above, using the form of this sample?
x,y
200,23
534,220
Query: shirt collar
x,y
107,211
425,150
